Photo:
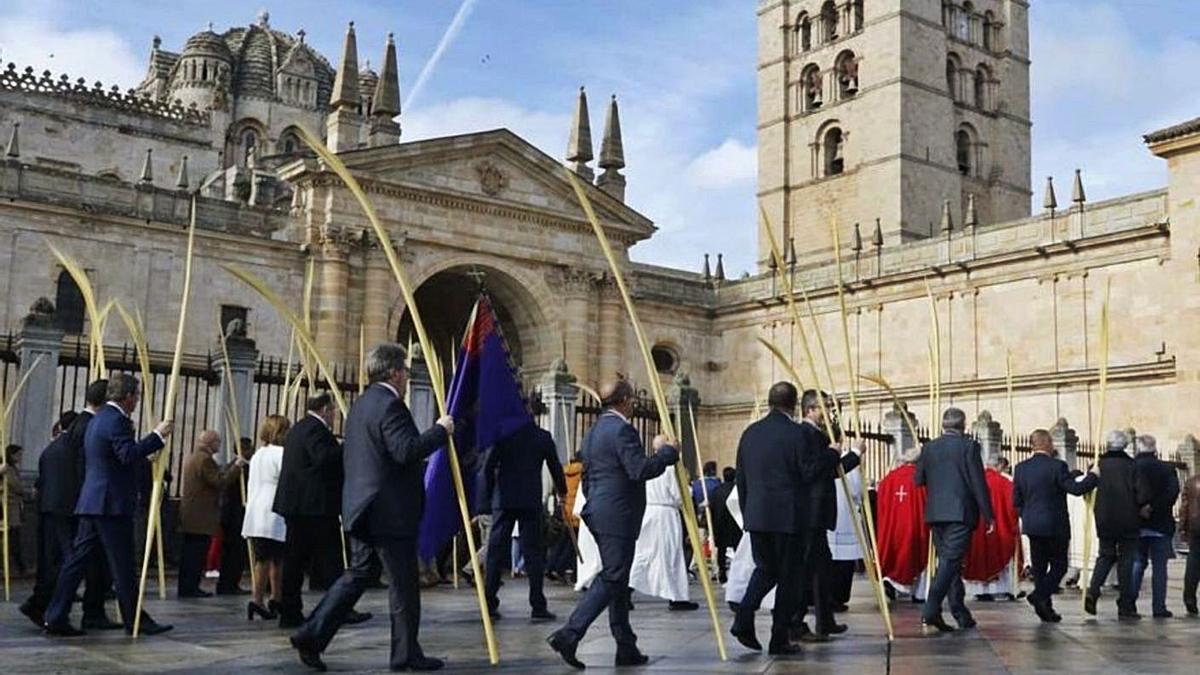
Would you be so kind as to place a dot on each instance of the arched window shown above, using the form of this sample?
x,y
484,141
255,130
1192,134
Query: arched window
x,y
947,13
289,142
846,69
952,77
989,26
810,88
964,152
857,9
829,21
248,147
983,79
832,149
803,32
68,304
962,27
666,361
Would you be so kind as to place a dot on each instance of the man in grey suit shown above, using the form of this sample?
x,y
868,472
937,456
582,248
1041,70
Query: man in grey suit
x,y
382,500
951,469
615,471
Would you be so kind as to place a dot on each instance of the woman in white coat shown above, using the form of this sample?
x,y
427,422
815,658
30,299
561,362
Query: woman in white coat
x,y
843,541
264,528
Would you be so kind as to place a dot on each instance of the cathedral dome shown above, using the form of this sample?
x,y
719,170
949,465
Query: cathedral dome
x,y
206,44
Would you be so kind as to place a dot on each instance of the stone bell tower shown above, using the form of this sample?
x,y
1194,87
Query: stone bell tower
x,y
887,109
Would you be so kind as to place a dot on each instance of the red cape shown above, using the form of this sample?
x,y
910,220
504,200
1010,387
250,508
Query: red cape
x,y
903,537
990,554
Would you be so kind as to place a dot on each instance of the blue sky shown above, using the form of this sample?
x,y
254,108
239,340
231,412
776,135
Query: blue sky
x,y
1104,72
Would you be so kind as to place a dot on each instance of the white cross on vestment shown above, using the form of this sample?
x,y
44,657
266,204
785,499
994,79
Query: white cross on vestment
x,y
901,493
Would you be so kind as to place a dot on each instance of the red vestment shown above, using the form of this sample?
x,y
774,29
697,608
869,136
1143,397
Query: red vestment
x,y
902,536
990,554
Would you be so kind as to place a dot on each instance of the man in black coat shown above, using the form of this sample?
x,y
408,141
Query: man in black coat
x,y
615,471
512,478
233,512
821,492
726,533
60,476
382,501
1158,527
310,479
951,469
1040,488
1120,498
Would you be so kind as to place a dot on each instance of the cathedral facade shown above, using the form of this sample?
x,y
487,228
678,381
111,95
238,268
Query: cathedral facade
x,y
902,123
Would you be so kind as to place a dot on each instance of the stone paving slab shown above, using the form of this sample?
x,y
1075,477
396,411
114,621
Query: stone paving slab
x,y
212,636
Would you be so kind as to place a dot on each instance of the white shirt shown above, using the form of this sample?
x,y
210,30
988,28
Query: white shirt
x,y
126,416
391,389
319,419
260,520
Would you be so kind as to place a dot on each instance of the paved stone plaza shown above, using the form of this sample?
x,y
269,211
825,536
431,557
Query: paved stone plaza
x,y
211,636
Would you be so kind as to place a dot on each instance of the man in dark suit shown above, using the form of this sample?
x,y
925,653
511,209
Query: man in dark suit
x,y
1040,488
60,476
513,482
310,480
726,533
615,472
951,469
1120,498
821,492
1157,538
382,502
105,507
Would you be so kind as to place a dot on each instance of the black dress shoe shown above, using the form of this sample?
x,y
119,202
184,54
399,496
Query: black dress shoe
x,y
965,622
152,627
1089,604
1191,608
309,655
1128,616
1165,614
746,638
101,623
814,638
33,614
424,664
63,630
835,629
541,616
232,591
195,594
683,606
356,617
936,624
785,649
565,649
634,658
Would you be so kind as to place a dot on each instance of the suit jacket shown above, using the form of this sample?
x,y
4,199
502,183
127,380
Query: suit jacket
x,y
311,475
112,459
1121,494
823,483
773,470
951,469
60,469
513,471
1162,485
203,481
384,460
1040,488
725,529
615,471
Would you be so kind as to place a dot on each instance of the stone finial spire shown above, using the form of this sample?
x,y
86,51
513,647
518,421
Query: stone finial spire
x,y
181,181
720,267
612,154
877,238
345,84
856,245
14,143
386,106
1077,194
1050,202
947,217
707,269
147,167
972,217
791,252
579,147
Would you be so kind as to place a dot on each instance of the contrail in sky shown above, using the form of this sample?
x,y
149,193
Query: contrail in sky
x,y
452,31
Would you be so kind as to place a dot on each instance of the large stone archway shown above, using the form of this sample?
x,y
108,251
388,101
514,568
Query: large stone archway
x,y
447,296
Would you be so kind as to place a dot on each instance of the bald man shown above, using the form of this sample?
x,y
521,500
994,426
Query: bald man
x,y
199,509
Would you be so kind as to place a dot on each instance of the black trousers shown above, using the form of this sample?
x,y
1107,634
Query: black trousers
x,y
841,575
191,562
307,541
952,541
114,536
56,536
1191,574
816,585
778,561
399,556
499,553
1120,552
1048,564
233,557
609,590
327,564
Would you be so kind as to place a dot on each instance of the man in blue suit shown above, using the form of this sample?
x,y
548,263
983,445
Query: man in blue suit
x,y
382,500
615,471
513,492
106,504
1040,488
951,469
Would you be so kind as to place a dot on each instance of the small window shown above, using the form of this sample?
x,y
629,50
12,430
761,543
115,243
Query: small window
x,y
231,313
963,28
962,147
858,15
835,163
952,78
68,304
981,84
810,84
666,361
829,21
847,75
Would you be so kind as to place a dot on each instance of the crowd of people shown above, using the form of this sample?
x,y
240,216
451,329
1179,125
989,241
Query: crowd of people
x,y
781,527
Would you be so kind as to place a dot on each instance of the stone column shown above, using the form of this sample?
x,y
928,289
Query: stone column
x,y
35,412
902,437
610,347
1189,452
683,400
332,282
1066,442
239,390
559,394
989,434
420,392
380,291
573,287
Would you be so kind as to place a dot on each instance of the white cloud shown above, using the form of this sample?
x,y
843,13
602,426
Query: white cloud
x,y
548,131
730,164
93,54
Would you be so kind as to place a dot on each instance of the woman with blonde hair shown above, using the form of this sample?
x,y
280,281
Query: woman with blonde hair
x,y
264,528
